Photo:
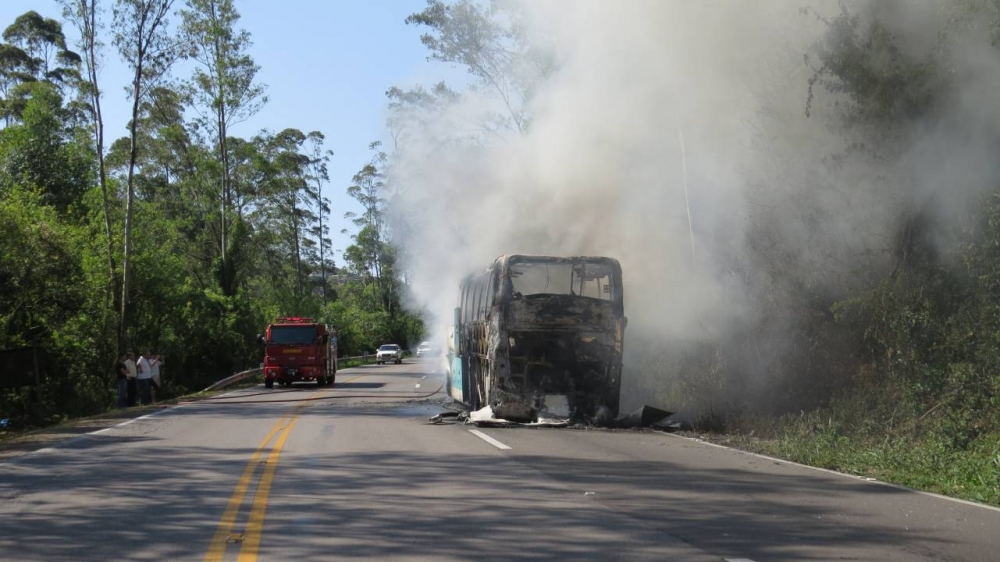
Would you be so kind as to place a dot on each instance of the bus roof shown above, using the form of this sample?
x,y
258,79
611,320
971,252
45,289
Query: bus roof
x,y
507,258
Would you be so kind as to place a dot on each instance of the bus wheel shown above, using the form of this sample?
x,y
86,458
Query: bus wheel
x,y
269,383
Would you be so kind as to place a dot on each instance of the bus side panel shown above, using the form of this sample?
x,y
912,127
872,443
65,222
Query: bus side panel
x,y
457,378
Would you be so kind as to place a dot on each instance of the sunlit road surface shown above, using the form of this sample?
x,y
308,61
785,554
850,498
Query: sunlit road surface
x,y
357,473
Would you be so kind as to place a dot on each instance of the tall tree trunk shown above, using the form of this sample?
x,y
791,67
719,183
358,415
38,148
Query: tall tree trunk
x,y
90,22
322,260
298,254
132,157
228,285
224,203
223,206
84,14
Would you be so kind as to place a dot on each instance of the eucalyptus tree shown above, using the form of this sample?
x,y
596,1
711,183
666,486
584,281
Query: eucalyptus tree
x,y
370,254
43,40
16,67
84,16
224,92
318,176
490,40
283,216
148,49
34,51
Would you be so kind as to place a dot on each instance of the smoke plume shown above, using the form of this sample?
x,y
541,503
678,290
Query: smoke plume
x,y
674,137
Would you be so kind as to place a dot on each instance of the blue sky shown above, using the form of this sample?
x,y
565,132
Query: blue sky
x,y
327,64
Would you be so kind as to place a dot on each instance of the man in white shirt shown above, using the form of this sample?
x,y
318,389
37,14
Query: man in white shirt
x,y
131,384
145,375
154,368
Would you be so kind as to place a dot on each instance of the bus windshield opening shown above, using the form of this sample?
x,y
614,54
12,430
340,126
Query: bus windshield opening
x,y
577,278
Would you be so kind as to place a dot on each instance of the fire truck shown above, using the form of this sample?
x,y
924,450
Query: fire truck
x,y
299,349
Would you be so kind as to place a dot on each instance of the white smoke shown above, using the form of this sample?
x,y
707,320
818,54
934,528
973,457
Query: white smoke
x,y
601,170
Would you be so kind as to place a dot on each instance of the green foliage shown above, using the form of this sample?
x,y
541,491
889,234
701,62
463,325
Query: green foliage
x,y
205,277
905,361
49,300
36,51
489,40
223,82
42,152
861,58
140,33
361,330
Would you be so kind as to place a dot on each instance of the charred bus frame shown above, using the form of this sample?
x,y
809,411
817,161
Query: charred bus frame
x,y
540,336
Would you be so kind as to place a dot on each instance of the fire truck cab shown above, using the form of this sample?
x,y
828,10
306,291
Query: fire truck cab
x,y
299,349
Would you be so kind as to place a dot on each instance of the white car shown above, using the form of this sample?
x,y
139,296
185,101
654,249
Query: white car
x,y
424,349
389,352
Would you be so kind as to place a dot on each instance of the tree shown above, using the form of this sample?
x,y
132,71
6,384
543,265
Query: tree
x,y
43,40
83,14
489,40
16,67
40,152
319,175
370,255
414,109
35,51
286,214
143,41
223,90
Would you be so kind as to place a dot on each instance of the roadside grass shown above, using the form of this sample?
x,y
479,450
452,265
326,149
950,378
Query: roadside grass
x,y
348,363
916,453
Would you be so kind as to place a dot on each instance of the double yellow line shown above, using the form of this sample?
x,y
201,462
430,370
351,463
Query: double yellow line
x,y
250,539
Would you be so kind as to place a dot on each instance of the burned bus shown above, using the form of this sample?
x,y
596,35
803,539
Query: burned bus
x,y
540,336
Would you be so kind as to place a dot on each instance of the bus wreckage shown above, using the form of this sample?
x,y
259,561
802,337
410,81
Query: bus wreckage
x,y
539,338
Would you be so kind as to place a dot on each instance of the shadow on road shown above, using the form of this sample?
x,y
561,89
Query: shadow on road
x,y
165,502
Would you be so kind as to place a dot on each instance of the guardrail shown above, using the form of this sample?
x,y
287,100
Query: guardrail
x,y
365,359
235,378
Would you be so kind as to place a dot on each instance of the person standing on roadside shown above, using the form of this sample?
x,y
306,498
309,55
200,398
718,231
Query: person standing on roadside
x,y
154,368
132,375
145,375
121,379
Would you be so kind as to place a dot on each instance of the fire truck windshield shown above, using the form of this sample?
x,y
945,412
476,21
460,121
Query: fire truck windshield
x,y
293,335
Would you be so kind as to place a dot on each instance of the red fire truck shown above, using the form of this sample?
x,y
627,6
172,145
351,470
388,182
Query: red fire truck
x,y
299,349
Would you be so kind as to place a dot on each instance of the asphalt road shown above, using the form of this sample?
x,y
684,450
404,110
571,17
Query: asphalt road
x,y
356,472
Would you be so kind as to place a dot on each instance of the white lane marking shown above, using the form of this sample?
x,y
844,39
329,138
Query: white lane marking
x,y
488,439
737,560
835,473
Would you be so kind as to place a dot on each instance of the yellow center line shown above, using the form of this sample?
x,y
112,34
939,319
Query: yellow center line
x,y
217,548
255,525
